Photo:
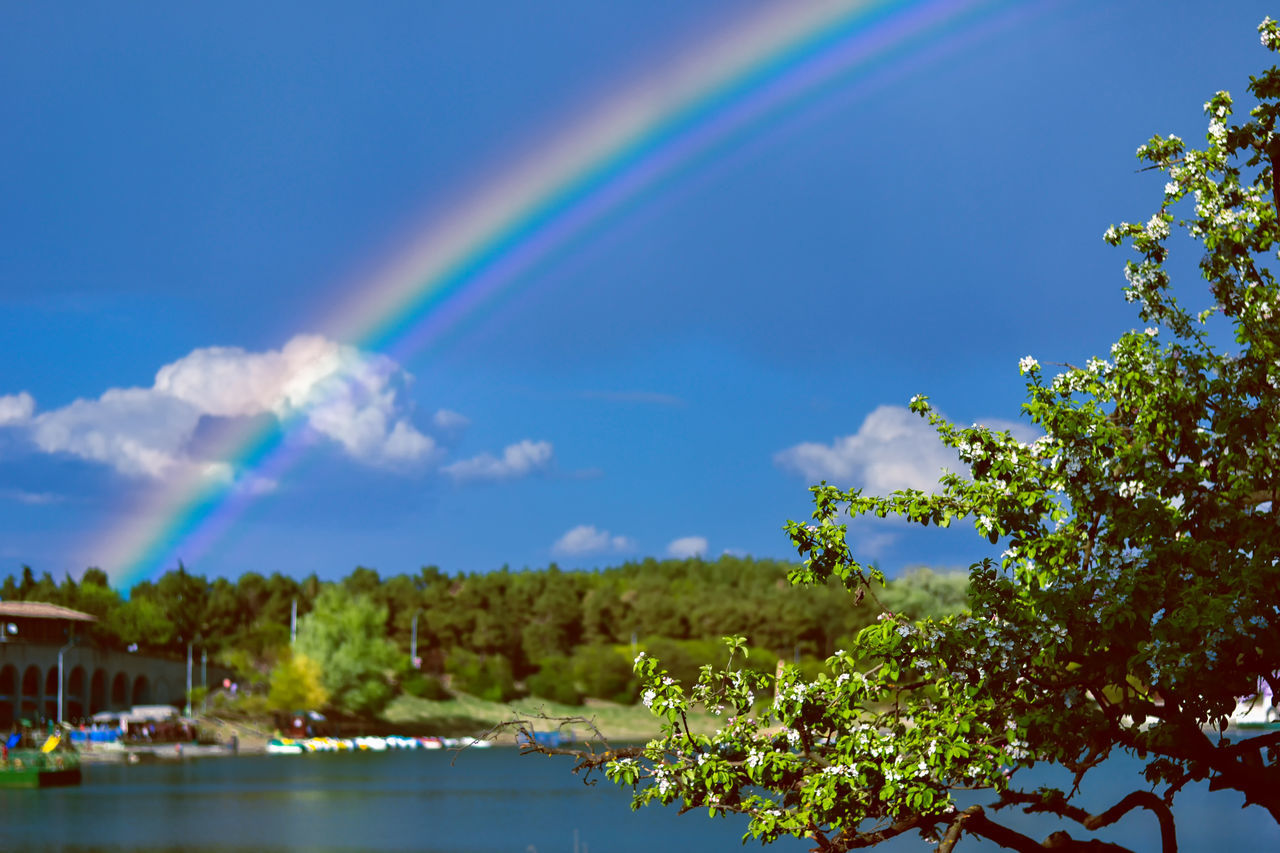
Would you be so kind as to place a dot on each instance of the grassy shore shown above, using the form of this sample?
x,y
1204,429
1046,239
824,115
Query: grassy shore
x,y
469,715
615,722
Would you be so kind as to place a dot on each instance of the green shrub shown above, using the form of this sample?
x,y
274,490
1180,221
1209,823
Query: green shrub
x,y
424,686
555,680
487,677
604,672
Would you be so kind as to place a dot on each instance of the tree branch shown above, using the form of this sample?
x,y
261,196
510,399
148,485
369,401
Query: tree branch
x,y
1059,805
857,840
976,821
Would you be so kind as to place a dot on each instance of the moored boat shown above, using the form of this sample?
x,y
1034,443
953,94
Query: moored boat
x,y
1255,712
32,768
284,746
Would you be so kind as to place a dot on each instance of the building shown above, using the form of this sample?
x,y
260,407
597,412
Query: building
x,y
33,634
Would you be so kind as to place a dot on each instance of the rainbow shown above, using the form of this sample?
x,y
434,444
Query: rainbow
x,y
759,73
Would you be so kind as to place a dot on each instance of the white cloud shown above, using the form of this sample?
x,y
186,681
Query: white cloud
x,y
647,397
586,539
872,543
450,421
686,547
346,395
134,430
1021,431
524,457
343,394
16,408
892,449
31,498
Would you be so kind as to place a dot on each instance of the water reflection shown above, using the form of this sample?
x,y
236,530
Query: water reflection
x,y
492,801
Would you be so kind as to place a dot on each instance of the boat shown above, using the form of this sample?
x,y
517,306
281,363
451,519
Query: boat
x,y
284,746
34,768
1255,712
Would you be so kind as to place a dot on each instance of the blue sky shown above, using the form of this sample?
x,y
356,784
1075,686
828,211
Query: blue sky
x,y
175,179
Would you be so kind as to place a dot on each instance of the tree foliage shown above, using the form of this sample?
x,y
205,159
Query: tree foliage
x,y
297,684
344,635
1134,601
501,633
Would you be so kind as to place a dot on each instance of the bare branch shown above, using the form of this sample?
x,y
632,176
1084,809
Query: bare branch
x,y
594,755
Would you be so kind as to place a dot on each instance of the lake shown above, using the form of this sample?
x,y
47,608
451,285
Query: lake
x,y
487,801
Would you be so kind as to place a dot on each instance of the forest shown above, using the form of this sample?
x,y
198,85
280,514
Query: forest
x,y
559,635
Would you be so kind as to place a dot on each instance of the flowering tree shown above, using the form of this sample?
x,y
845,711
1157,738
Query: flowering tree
x,y
1135,600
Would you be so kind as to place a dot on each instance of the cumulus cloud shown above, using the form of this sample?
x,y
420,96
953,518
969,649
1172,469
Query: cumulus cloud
x,y
686,547
135,430
587,539
16,408
892,449
342,394
518,460
448,421
346,395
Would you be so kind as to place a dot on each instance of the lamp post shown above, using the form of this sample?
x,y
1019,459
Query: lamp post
x,y
61,679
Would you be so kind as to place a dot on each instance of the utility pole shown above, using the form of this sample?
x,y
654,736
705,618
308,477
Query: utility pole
x,y
61,679
293,623
188,679
413,643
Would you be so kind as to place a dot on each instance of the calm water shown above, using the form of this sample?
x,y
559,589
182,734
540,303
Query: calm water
x,y
489,800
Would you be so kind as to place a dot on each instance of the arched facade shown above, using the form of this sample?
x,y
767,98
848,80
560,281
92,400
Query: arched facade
x,y
73,707
51,693
29,705
98,691
141,694
93,679
9,697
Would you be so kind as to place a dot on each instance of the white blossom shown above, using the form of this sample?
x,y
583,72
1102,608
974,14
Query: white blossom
x,y
1268,35
1027,364
1157,227
1131,488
